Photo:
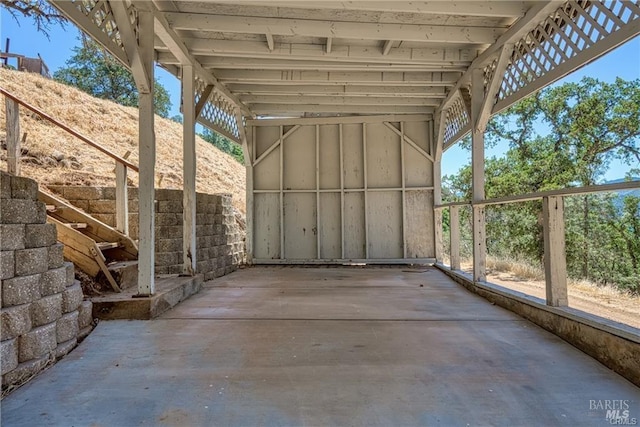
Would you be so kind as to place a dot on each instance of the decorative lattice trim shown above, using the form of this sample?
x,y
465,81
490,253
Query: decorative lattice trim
x,y
457,119
99,12
573,28
218,113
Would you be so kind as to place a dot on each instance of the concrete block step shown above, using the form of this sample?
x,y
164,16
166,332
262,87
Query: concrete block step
x,y
170,290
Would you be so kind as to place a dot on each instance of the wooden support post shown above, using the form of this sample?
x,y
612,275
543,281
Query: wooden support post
x,y
341,190
366,185
436,151
404,193
247,137
437,213
477,168
122,199
189,172
318,226
282,252
454,234
13,136
147,154
555,262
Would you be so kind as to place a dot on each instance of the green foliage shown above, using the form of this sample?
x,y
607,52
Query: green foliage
x,y
94,71
562,137
223,144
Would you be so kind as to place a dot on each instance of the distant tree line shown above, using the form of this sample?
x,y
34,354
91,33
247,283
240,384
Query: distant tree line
x,y
565,136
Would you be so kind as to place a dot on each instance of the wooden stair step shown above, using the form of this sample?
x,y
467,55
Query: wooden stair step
x,y
55,208
77,225
108,245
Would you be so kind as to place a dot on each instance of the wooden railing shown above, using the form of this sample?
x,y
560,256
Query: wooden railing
x,y
553,231
12,105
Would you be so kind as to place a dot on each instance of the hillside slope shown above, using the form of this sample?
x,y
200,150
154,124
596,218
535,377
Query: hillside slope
x,y
113,126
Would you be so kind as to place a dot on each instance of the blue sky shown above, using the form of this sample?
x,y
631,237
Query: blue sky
x,y
623,62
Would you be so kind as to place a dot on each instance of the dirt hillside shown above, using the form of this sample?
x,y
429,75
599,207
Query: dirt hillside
x,y
55,157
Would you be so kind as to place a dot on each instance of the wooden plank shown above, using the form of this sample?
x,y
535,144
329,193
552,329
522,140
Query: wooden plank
x,y
341,190
354,225
419,224
275,145
383,157
270,43
346,261
96,230
555,263
438,245
177,47
77,225
288,108
404,198
103,246
300,160
337,29
384,223
330,230
409,141
454,230
13,136
365,166
318,227
122,200
477,170
83,252
281,173
76,247
69,130
343,120
572,191
147,154
100,260
247,134
189,172
300,226
128,38
266,228
513,9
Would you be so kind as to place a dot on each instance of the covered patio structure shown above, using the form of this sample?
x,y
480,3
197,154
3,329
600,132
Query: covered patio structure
x,y
343,110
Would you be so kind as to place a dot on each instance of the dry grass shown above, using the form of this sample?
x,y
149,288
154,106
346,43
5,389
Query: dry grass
x,y
114,127
605,301
519,269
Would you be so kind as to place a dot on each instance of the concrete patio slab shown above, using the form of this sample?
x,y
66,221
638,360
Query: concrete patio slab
x,y
324,347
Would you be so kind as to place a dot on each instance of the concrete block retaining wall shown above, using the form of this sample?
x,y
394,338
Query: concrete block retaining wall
x,y
43,314
220,239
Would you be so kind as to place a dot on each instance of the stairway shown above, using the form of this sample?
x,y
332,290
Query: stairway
x,y
94,247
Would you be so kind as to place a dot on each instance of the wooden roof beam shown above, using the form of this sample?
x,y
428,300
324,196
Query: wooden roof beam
x,y
512,9
249,49
325,29
179,50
